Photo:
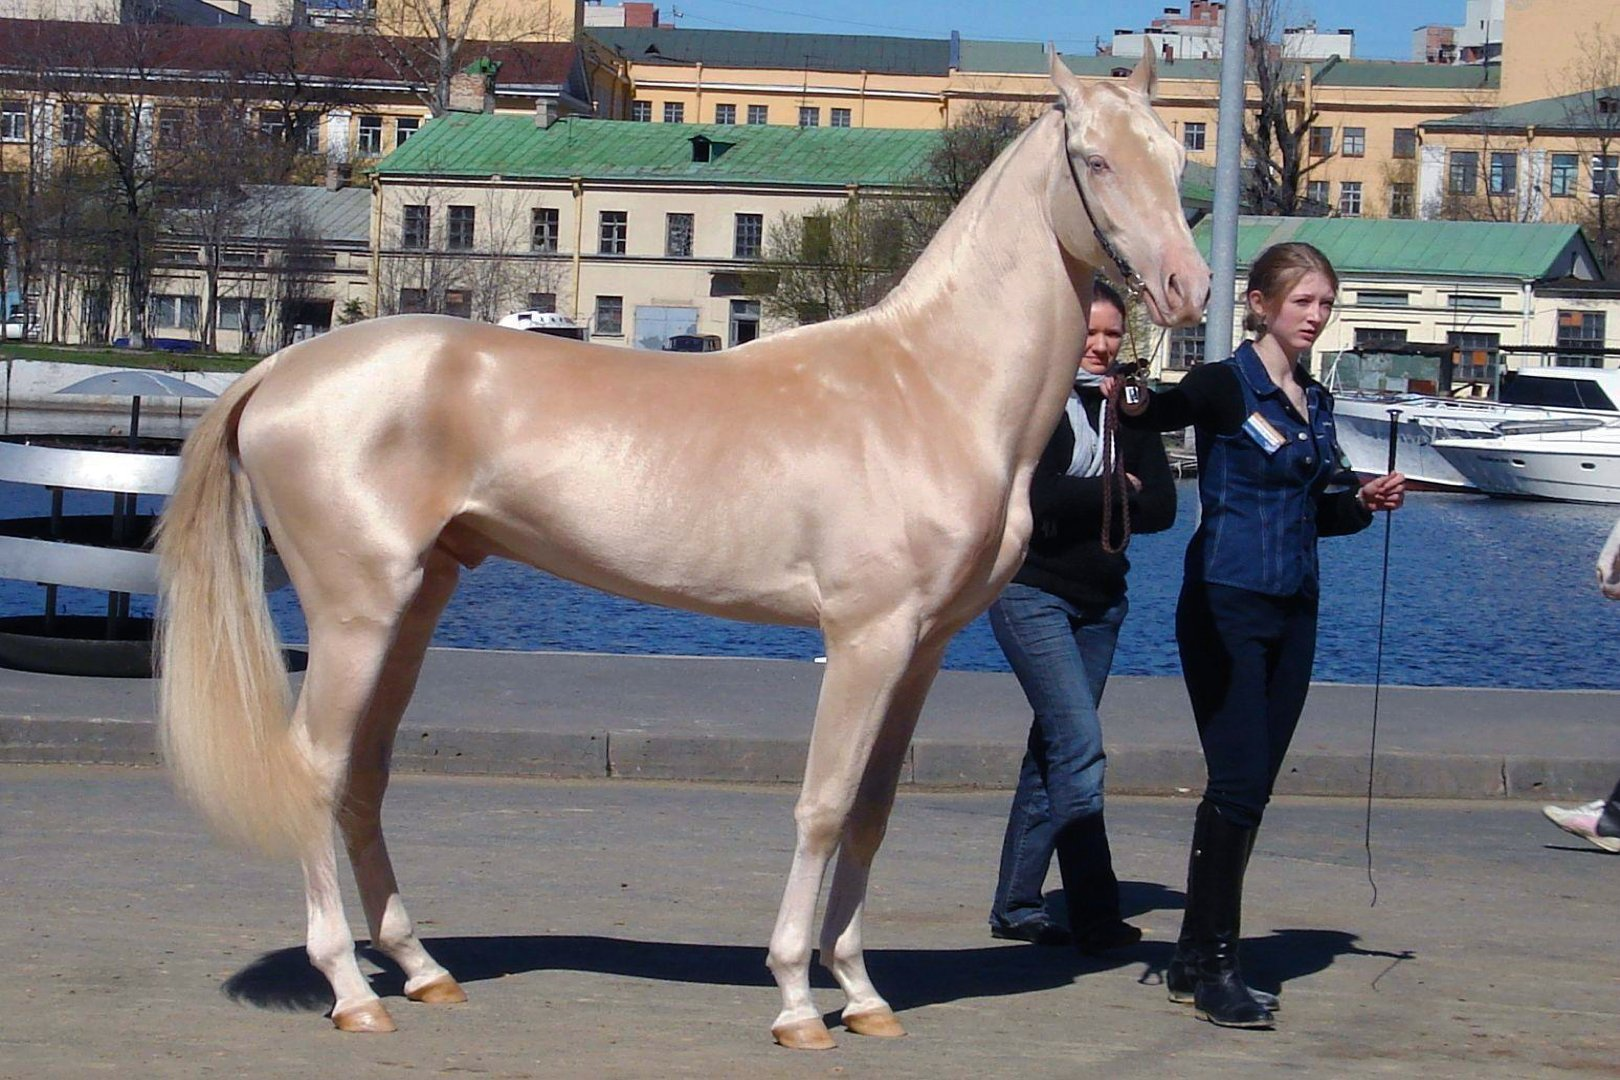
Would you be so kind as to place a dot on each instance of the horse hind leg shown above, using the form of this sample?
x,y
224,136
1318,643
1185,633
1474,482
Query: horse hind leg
x,y
842,950
352,626
862,673
392,931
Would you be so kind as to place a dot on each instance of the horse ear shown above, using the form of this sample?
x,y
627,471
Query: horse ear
x,y
1145,79
1063,78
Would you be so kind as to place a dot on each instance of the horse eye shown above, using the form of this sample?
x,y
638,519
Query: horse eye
x,y
1097,164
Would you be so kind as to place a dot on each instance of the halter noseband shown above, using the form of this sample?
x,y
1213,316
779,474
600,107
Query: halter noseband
x,y
1134,283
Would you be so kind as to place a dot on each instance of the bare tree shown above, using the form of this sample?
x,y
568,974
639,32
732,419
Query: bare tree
x,y
427,42
832,262
1277,137
1592,114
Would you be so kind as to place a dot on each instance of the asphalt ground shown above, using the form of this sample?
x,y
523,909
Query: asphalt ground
x,y
593,716
606,929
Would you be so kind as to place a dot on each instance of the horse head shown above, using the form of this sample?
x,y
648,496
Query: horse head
x,y
1117,203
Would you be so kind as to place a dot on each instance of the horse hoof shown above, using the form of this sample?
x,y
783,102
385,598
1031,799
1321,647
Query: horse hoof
x,y
370,1019
809,1034
879,1023
441,991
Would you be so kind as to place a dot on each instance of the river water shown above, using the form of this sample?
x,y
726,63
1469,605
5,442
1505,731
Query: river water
x,y
1482,592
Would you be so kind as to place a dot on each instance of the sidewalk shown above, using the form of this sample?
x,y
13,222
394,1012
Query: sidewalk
x,y
591,716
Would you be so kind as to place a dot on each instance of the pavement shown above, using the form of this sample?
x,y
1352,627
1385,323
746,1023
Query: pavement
x,y
592,716
605,930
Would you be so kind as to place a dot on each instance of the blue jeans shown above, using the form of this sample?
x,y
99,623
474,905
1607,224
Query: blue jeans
x,y
1061,654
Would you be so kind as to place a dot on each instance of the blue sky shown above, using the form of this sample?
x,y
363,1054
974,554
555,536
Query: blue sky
x,y
1383,27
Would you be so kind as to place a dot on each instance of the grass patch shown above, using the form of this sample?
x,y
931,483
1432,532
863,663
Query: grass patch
x,y
108,356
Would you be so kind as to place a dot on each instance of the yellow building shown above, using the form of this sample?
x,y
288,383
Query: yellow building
x,y
1550,47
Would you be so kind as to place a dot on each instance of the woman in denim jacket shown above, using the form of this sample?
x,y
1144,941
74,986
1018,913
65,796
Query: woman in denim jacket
x,y
1271,479
1058,621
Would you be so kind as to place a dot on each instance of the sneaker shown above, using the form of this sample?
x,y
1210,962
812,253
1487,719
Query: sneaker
x,y
1582,821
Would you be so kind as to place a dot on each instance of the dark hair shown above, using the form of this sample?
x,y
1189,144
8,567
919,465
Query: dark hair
x,y
1279,269
1101,290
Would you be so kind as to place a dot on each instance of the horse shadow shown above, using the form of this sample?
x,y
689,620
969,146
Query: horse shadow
x,y
284,979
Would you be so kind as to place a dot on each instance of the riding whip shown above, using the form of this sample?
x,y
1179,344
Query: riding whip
x,y
1378,662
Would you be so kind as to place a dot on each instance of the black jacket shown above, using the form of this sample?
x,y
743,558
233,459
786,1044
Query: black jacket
x,y
1066,556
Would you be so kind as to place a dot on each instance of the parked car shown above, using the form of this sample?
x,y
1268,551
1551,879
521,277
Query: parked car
x,y
693,343
21,326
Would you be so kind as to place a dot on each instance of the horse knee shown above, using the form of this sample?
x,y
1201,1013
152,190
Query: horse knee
x,y
819,828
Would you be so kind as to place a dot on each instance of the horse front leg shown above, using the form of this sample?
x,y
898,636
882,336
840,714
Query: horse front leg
x,y
865,1011
392,931
863,670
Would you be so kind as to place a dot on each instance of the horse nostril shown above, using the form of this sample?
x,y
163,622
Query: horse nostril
x,y
1172,288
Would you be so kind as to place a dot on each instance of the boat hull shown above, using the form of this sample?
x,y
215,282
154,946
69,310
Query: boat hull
x,y
1363,427
1568,472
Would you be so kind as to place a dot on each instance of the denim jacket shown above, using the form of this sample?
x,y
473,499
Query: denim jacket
x,y
1262,487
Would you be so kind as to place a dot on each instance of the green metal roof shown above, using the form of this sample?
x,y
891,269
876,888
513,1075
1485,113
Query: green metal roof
x,y
1003,57
1425,248
477,144
794,52
1573,114
1408,75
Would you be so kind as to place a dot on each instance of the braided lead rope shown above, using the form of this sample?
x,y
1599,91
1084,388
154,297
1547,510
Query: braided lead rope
x,y
1115,486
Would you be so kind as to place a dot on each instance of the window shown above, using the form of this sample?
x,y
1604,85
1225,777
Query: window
x,y
307,128
613,232
241,257
543,230
1350,198
1402,200
369,141
759,114
1608,106
1193,136
414,227
1504,173
1186,347
725,114
1405,143
678,235
73,124
840,118
1354,142
1321,141
750,236
112,125
1580,330
609,315
243,313
404,128
14,121
1605,175
674,112
809,116
1474,302
1476,355
458,302
171,128
1462,175
1379,337
168,311
1565,177
641,111
543,301
412,300
272,123
459,226
1383,298
1316,191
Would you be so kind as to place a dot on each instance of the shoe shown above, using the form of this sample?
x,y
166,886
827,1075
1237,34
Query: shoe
x,y
1215,871
1037,931
1584,821
1099,938
1181,981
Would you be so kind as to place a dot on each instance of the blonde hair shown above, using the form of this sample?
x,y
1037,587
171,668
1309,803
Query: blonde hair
x,y
1279,269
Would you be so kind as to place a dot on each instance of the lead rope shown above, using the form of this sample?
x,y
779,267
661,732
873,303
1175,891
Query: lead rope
x,y
1115,487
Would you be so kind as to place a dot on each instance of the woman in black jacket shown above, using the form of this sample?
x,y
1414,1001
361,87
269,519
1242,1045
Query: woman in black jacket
x,y
1058,622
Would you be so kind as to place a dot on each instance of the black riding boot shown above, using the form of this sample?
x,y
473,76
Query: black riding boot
x,y
1220,854
1181,974
1090,887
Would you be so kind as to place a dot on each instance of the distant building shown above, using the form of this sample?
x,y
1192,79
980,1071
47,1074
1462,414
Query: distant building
x,y
625,14
1434,45
1196,35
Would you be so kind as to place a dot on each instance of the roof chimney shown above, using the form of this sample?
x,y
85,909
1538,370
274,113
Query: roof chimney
x,y
473,89
545,114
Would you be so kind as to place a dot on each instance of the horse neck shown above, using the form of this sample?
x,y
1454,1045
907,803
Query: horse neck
x,y
993,310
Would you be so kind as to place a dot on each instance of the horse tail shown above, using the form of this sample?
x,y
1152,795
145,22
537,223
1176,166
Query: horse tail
x,y
224,703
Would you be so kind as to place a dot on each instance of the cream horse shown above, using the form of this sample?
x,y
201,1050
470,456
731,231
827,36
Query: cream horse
x,y
867,476
1608,565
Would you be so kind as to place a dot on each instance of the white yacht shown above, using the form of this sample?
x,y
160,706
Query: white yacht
x,y
1532,395
1577,461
